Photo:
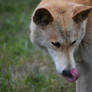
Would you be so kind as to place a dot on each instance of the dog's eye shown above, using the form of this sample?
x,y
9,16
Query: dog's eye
x,y
73,42
56,44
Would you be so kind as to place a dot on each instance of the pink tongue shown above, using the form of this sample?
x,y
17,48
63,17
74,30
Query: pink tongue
x,y
75,73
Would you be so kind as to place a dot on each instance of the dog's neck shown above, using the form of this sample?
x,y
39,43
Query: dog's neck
x,y
85,57
84,83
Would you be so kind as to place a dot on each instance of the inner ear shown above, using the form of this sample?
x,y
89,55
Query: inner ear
x,y
81,13
42,17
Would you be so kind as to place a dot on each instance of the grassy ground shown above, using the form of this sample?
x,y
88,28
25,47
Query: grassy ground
x,y
23,67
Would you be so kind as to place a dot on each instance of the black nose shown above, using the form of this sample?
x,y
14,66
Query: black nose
x,y
67,73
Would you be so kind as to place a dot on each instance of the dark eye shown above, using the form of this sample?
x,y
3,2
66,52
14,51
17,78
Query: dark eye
x,y
56,44
73,42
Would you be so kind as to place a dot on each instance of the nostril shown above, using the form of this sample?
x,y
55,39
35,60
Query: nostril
x,y
67,73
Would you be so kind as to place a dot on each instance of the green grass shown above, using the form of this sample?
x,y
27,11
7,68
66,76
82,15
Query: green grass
x,y
23,67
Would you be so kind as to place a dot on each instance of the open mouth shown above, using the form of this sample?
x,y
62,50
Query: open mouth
x,y
71,76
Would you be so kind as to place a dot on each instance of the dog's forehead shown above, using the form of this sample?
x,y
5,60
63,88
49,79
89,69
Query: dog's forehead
x,y
58,9
62,12
58,6
57,33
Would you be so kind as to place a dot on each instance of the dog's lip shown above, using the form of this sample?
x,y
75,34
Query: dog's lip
x,y
71,79
75,76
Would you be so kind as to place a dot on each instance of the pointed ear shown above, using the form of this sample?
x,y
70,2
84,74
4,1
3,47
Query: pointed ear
x,y
42,17
81,13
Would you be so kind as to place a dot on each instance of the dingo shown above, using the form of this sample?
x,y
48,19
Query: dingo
x,y
58,27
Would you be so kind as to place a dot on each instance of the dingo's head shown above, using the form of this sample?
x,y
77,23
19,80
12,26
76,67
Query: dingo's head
x,y
58,27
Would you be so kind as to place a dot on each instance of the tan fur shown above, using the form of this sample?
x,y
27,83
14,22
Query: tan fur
x,y
62,29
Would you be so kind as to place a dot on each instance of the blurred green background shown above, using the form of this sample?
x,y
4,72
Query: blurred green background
x,y
24,67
